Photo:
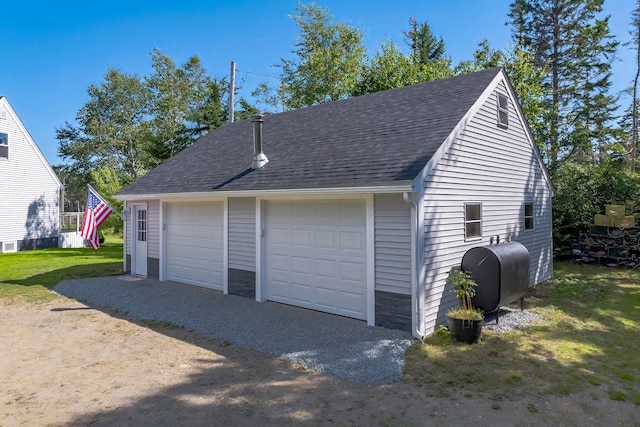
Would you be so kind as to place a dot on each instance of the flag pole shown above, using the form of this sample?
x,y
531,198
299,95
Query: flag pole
x,y
105,202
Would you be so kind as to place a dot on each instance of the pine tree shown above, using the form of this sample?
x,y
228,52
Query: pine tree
x,y
568,38
425,46
635,32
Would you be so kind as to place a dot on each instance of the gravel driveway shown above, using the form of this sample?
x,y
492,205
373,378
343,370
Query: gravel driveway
x,y
333,345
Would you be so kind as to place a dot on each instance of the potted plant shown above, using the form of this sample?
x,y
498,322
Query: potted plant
x,y
465,322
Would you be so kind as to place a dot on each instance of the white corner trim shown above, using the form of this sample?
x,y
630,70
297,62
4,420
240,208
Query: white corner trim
x,y
225,246
260,295
371,261
161,251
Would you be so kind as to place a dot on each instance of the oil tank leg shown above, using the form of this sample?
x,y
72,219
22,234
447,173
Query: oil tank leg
x,y
498,316
521,303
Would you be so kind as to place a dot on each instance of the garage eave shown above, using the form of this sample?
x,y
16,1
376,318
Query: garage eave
x,y
376,189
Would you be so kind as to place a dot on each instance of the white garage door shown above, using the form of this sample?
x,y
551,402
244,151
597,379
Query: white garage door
x,y
194,243
316,255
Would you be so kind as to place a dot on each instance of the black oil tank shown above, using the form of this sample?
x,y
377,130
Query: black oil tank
x,y
501,272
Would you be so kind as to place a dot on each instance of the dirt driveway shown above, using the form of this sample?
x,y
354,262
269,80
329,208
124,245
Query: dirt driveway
x,y
62,363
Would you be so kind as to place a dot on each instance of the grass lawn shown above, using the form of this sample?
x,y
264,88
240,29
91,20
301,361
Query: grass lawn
x,y
588,338
30,274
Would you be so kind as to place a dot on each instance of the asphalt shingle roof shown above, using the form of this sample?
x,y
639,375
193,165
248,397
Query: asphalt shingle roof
x,y
380,138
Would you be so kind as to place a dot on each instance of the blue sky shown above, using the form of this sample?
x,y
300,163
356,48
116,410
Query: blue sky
x,y
52,51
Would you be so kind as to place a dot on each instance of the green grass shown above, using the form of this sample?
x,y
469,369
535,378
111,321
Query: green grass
x,y
31,274
587,338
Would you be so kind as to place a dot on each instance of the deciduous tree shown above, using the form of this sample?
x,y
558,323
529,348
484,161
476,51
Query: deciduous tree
x,y
112,128
389,68
327,60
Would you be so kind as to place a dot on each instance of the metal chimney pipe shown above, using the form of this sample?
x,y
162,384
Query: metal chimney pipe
x,y
259,159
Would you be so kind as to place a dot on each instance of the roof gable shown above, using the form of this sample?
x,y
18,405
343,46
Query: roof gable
x,y
376,139
4,103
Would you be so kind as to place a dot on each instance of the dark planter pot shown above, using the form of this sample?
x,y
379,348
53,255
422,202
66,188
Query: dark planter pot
x,y
463,330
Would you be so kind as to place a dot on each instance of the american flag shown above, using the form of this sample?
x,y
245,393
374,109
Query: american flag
x,y
96,212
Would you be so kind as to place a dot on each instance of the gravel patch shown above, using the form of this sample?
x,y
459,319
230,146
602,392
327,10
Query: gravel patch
x,y
510,319
333,345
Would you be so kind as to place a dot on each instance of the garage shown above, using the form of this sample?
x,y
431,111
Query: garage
x,y
315,255
194,242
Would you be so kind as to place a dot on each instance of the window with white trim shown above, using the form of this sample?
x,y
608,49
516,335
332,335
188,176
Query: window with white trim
x,y
503,111
4,146
142,225
472,220
528,216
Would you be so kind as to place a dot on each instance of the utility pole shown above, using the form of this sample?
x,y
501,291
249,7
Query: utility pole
x,y
232,89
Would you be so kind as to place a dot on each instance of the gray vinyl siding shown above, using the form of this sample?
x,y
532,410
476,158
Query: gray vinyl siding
x,y
128,224
498,168
29,204
153,229
392,231
242,233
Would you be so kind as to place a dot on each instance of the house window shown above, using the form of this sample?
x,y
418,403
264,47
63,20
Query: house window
x,y
4,146
503,111
142,225
528,216
472,220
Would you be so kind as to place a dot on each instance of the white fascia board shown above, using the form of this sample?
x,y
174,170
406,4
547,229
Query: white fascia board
x,y
377,189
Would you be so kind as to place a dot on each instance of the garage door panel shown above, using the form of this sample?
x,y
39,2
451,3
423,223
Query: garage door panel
x,y
301,265
280,290
301,211
325,239
326,298
325,268
301,237
316,255
279,263
352,304
195,243
300,292
352,241
280,236
352,272
350,214
327,213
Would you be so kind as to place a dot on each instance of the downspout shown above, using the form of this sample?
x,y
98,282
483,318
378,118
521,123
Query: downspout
x,y
416,304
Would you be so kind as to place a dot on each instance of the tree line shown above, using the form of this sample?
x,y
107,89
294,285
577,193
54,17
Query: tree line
x,y
559,63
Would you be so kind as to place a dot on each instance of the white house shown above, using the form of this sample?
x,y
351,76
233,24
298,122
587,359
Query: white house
x,y
29,202
358,207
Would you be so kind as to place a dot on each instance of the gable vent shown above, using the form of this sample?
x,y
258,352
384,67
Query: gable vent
x,y
3,114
